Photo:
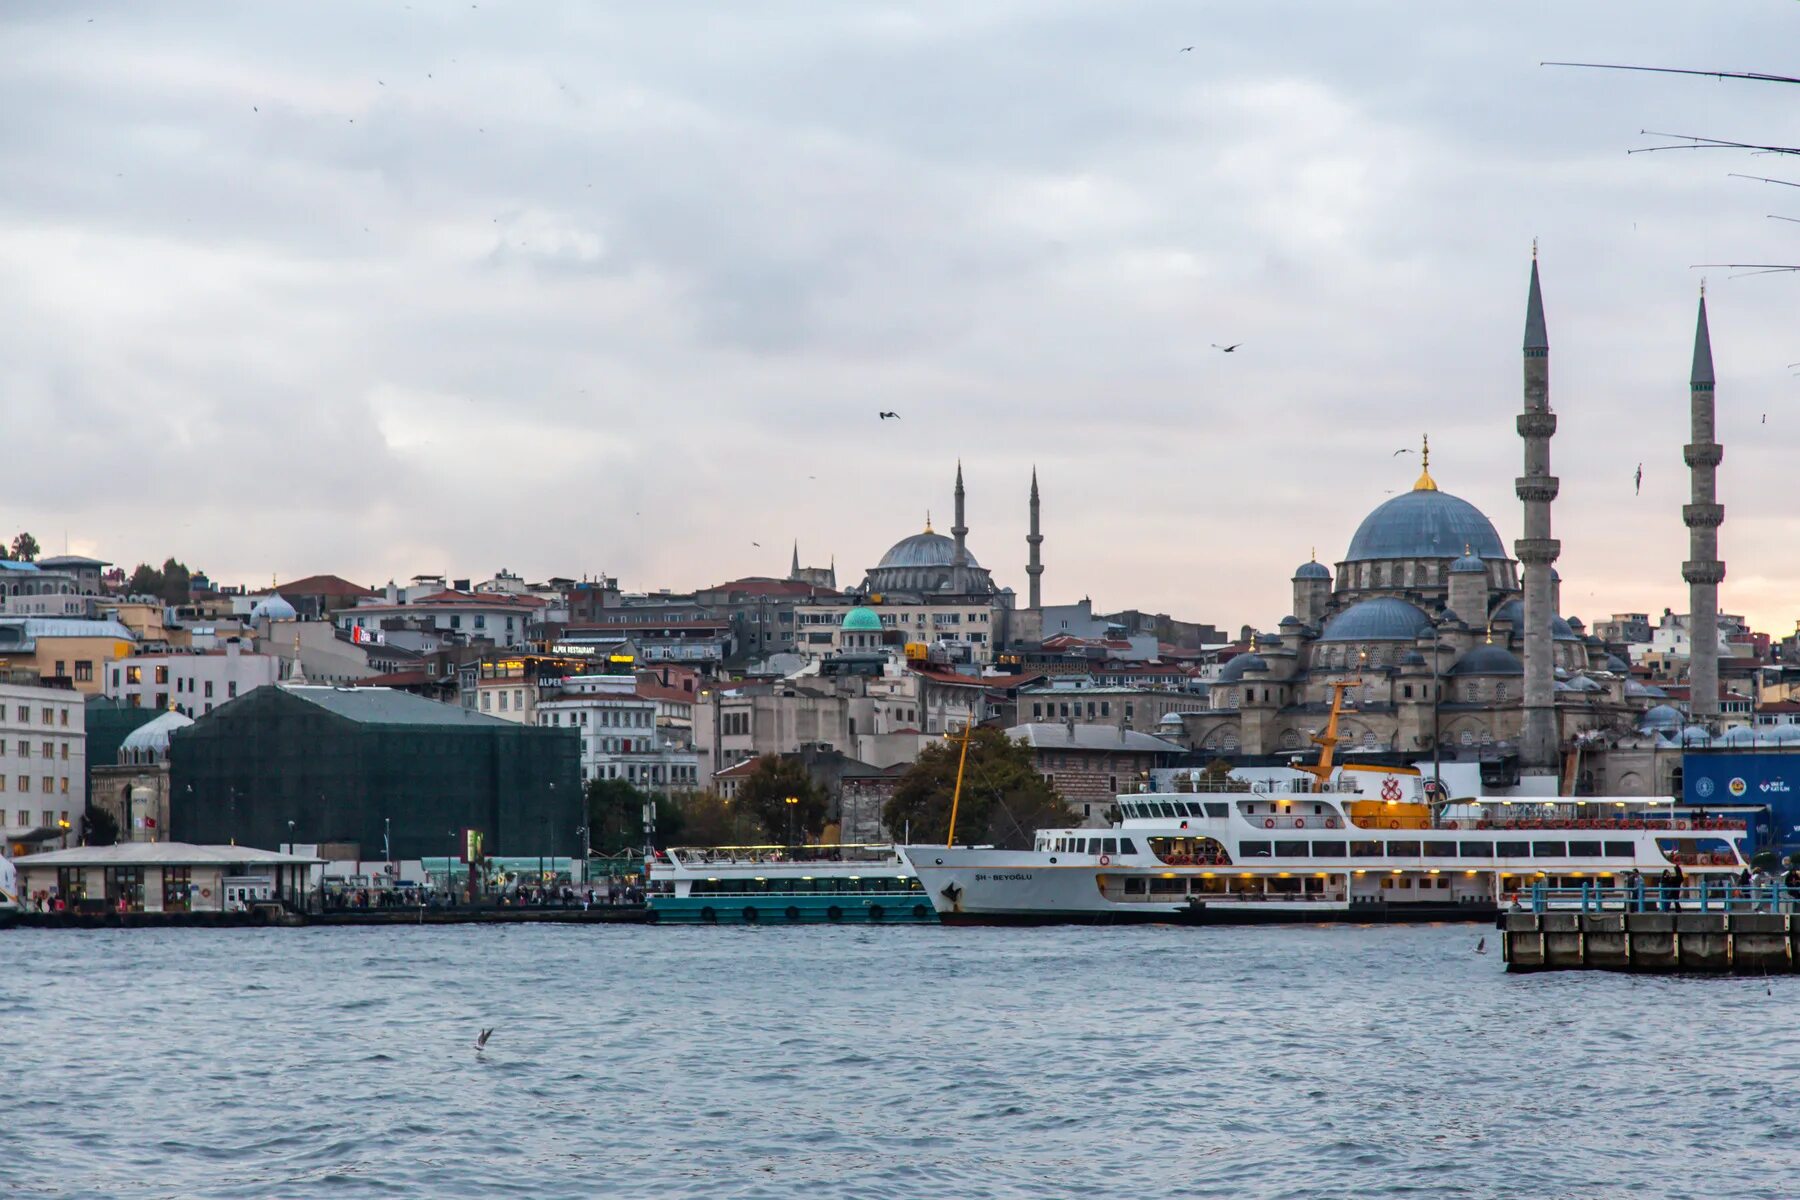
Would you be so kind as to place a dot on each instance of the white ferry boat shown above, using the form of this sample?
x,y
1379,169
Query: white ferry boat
x,y
718,885
1302,850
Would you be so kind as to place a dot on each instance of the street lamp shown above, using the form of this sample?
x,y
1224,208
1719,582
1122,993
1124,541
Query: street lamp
x,y
791,802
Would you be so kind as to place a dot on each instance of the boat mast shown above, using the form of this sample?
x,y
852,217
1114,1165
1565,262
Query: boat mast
x,y
956,796
1328,740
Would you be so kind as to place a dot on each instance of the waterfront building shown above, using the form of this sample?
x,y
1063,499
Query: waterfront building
x,y
166,877
65,648
362,765
620,736
502,619
1090,765
43,763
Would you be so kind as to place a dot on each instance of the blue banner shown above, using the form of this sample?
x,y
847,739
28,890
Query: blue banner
x,y
1768,778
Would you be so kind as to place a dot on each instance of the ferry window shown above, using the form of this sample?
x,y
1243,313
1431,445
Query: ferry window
x,y
1619,850
1191,809
1134,887
1254,849
1111,846
1404,849
1367,849
1328,849
1292,849
1217,810
1440,849
1549,849
1125,846
1513,849
1584,849
1167,810
1477,849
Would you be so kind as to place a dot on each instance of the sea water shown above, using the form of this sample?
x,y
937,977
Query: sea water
x,y
877,1062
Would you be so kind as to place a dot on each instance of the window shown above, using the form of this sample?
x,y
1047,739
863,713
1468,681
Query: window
x,y
65,719
1619,850
1440,849
24,749
49,749
24,783
208,691
1328,849
134,674
1477,849
84,671
1584,849
485,698
1255,849
24,714
48,786
1549,850
162,674
1367,849
1404,849
65,752
480,621
231,690
1292,849
59,667
1512,849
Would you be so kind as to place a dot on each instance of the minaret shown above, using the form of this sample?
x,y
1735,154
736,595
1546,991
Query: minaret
x,y
959,560
1537,550
794,571
1703,570
1034,566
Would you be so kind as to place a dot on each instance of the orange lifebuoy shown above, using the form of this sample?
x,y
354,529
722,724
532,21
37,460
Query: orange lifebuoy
x,y
206,893
1393,824
1299,822
1106,860
1331,822
1268,822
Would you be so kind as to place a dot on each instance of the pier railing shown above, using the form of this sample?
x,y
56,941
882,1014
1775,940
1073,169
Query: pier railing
x,y
1705,896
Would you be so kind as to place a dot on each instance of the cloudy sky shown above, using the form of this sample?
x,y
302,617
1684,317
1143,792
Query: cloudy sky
x,y
384,288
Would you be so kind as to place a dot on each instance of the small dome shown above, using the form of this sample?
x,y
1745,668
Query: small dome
x,y
1289,622
1661,717
1234,670
1425,523
273,608
1468,564
1488,660
1698,734
1412,658
152,737
1175,720
1514,611
1581,683
1383,619
861,619
1785,733
1740,736
1312,570
1635,690
1617,665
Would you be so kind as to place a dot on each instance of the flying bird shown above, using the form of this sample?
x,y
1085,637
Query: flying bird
x,y
894,415
1227,349
1185,49
1400,451
1637,485
756,544
481,1042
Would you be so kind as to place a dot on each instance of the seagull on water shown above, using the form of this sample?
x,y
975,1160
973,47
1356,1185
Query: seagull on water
x,y
1481,946
481,1042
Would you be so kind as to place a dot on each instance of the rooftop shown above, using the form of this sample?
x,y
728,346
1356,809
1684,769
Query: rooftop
x,y
1060,736
385,706
162,854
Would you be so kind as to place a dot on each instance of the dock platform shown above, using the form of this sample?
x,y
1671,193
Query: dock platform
x,y
1698,943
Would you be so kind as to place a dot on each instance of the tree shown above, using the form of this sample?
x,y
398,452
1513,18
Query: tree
x,y
100,827
1216,776
615,815
177,582
1004,798
708,819
766,790
145,581
25,548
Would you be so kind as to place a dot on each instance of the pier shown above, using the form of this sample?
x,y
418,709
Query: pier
x,y
1699,931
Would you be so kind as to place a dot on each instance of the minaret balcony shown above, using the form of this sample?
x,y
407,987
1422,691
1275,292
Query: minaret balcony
x,y
1703,454
1703,572
1537,489
1703,516
1537,552
1536,424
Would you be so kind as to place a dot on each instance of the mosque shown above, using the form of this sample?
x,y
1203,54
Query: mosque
x,y
1425,621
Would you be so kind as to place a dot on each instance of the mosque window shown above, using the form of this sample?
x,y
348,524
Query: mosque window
x,y
1368,739
1499,692
1467,738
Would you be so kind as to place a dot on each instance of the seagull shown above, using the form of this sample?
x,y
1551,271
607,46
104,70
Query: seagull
x,y
1399,452
481,1042
253,108
1185,49
1227,349
894,415
1637,486
1481,946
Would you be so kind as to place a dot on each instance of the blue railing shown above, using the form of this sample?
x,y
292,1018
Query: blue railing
x,y
1708,895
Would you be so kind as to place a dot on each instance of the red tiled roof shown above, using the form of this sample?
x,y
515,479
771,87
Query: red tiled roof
x,y
656,691
1779,706
398,679
773,587
323,585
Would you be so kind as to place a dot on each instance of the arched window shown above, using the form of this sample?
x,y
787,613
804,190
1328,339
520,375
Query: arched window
x,y
1290,740
1368,739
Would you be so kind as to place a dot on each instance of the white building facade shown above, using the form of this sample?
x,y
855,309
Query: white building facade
x,y
619,735
193,684
43,767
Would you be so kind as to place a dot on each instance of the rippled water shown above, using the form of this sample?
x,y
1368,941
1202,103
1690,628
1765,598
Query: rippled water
x,y
886,1062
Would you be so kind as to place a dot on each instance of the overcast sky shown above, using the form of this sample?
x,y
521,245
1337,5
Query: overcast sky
x,y
382,289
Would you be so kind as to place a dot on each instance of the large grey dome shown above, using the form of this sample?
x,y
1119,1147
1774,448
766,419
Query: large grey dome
x,y
1234,670
272,607
1383,619
1425,523
926,549
1312,570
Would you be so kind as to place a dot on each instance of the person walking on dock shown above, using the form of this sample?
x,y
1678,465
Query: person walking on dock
x,y
1634,890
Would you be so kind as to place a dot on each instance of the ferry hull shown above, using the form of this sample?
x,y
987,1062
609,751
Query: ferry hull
x,y
827,909
1241,914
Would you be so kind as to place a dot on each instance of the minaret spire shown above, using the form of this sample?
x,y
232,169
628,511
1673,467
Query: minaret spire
x,y
794,571
1425,482
960,531
1034,567
1704,571
1537,550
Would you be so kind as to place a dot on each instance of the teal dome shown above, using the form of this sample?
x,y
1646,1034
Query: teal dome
x,y
861,620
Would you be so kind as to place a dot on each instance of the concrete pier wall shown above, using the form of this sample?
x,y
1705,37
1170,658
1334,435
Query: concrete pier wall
x,y
1652,942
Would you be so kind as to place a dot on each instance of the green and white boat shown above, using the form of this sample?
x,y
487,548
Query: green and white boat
x,y
786,885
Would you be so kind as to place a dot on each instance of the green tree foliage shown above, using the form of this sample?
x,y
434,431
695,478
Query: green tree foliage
x,y
615,815
100,828
171,584
1004,799
1216,776
25,548
765,793
146,580
708,819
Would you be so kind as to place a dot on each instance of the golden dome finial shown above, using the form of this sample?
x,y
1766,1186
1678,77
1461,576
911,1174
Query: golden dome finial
x,y
928,520
1425,483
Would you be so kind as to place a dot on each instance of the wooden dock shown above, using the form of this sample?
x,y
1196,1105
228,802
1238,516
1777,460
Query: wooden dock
x,y
1697,943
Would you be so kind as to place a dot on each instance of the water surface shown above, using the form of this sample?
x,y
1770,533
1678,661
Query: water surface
x,y
883,1062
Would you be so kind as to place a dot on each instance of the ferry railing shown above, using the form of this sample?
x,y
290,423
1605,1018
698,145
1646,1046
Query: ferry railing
x,y
1289,821
1622,824
1721,896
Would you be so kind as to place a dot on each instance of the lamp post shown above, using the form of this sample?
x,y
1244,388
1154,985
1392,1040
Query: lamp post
x,y
1437,690
587,852
792,802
